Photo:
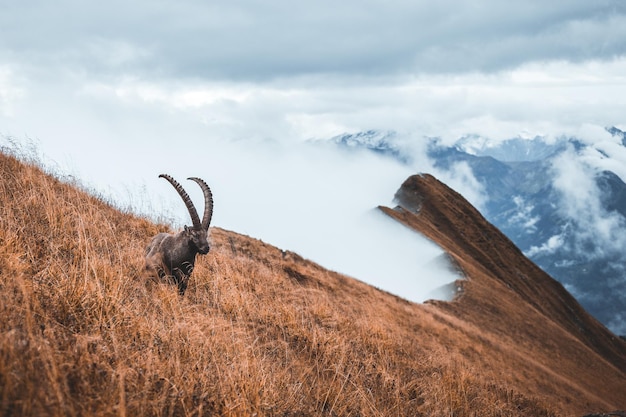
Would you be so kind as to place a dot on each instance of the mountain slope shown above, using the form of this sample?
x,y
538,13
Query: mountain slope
x,y
555,209
262,331
444,216
561,200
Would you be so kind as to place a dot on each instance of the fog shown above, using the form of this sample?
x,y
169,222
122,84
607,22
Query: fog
x,y
582,200
321,202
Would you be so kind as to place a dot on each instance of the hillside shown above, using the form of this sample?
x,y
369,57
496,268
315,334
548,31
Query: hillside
x,y
561,200
551,201
262,331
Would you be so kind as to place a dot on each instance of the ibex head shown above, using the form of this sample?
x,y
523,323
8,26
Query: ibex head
x,y
198,238
198,233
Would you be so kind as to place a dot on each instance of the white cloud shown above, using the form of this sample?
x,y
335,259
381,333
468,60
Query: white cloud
x,y
605,153
582,204
523,215
256,41
498,106
553,244
461,178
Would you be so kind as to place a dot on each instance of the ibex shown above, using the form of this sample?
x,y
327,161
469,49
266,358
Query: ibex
x,y
174,255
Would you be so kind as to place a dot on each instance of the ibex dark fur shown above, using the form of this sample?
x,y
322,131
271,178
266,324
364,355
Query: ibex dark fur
x,y
173,256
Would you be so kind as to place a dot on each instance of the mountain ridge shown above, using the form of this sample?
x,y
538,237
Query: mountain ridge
x,y
475,238
548,196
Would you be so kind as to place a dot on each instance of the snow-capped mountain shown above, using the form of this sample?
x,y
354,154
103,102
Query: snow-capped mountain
x,y
381,142
510,150
562,201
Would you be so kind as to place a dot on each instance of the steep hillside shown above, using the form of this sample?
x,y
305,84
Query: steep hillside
x,y
506,294
556,217
262,331
561,200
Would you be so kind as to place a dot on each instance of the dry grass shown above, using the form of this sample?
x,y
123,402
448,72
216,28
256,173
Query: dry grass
x,y
259,332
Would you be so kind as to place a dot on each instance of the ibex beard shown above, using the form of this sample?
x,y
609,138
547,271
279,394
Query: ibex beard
x,y
173,256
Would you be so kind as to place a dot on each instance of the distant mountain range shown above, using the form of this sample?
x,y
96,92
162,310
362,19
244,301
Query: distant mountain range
x,y
562,201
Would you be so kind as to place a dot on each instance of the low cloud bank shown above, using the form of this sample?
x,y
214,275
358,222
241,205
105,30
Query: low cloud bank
x,y
321,202
386,254
582,203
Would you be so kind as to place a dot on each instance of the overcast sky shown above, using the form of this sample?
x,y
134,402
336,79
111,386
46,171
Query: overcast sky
x,y
118,92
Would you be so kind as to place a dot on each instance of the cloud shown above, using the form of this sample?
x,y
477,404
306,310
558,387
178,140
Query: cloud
x,y
319,201
582,204
253,41
547,98
549,247
524,215
460,177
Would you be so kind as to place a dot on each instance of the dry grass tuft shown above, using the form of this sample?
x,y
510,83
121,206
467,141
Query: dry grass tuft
x,y
259,332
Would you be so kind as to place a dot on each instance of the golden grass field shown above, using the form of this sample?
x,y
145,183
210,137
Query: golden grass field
x,y
260,331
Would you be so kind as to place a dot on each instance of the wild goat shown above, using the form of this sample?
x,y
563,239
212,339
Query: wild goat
x,y
173,256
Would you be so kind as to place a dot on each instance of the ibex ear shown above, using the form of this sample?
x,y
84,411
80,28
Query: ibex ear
x,y
186,229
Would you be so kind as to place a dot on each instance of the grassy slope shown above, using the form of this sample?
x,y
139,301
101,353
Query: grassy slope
x,y
509,296
259,331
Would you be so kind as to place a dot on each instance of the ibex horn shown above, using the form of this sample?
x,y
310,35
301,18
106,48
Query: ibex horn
x,y
208,202
192,210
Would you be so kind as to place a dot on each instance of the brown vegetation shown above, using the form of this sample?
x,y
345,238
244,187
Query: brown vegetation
x,y
262,331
